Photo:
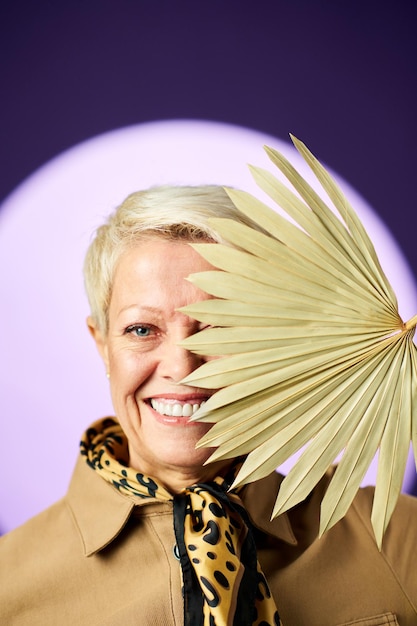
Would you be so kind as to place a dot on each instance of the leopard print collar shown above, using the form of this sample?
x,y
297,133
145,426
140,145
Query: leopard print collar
x,y
223,581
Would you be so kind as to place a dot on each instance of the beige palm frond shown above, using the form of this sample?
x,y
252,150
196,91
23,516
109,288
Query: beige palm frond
x,y
314,353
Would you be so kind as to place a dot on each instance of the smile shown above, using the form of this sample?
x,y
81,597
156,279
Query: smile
x,y
175,409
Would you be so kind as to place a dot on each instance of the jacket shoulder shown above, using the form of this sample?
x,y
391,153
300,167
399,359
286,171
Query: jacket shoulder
x,y
400,538
35,538
404,516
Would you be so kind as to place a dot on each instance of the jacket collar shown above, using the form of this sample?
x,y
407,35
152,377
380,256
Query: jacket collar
x,y
259,500
101,512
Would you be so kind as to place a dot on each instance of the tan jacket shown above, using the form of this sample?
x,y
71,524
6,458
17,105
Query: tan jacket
x,y
101,558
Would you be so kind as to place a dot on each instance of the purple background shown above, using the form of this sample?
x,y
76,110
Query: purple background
x,y
341,75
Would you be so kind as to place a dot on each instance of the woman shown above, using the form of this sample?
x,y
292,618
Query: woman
x,y
148,533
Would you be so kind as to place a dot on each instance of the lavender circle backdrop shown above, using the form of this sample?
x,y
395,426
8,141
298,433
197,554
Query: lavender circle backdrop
x,y
52,382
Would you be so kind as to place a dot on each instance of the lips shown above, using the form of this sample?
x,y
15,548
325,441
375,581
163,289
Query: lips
x,y
173,408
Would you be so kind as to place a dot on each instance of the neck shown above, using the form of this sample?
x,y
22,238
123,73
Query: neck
x,y
176,479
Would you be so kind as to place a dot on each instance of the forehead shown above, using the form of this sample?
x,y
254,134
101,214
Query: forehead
x,y
154,271
155,256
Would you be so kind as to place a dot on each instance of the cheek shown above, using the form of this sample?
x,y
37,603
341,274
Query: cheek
x,y
129,371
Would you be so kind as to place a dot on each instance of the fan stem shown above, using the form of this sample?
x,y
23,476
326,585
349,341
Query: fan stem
x,y
412,323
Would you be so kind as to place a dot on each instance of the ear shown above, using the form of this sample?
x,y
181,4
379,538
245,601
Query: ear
x,y
100,339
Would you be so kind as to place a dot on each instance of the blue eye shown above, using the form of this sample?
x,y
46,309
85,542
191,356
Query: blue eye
x,y
139,330
142,331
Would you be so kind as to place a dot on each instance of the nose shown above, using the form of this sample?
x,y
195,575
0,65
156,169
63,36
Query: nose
x,y
176,362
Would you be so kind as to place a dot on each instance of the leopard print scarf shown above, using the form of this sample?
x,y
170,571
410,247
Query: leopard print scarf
x,y
223,581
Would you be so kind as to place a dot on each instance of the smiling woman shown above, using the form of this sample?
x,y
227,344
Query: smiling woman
x,y
136,157
146,364
149,531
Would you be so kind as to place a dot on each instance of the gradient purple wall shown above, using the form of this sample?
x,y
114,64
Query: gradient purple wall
x,y
340,75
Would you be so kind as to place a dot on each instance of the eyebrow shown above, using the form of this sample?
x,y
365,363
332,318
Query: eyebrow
x,y
150,309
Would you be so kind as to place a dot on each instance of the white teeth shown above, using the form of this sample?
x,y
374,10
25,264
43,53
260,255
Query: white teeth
x,y
176,409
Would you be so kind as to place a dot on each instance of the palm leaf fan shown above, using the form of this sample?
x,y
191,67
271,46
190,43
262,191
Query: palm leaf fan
x,y
315,356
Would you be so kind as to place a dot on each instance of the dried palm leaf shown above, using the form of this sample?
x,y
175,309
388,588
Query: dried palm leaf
x,y
315,355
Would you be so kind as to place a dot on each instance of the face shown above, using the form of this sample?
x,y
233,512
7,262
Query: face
x,y
146,364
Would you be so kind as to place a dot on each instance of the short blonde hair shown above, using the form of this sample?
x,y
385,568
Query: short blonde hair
x,y
175,213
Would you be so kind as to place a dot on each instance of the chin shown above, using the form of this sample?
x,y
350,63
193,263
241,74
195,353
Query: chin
x,y
188,457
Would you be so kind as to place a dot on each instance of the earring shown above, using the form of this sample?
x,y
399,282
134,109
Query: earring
x,y
108,374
